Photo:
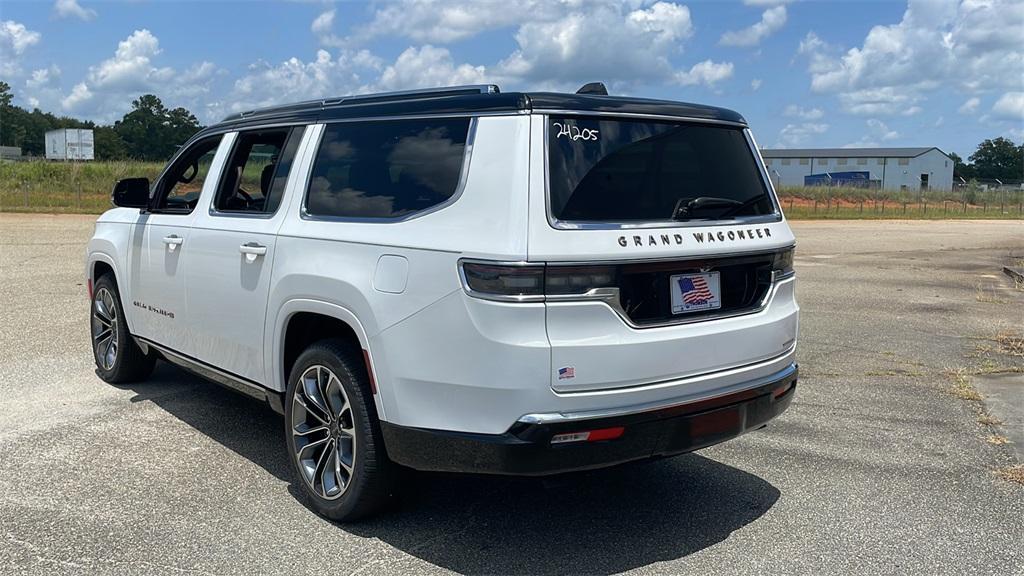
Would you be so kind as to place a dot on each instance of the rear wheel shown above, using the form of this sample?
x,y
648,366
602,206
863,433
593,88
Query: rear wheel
x,y
118,358
334,439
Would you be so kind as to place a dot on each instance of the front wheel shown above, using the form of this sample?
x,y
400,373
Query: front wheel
x,y
118,358
334,439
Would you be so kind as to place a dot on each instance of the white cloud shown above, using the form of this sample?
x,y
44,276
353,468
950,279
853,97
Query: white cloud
x,y
755,84
881,130
16,37
772,20
765,2
71,8
108,88
706,72
293,80
323,23
973,45
441,22
1010,105
428,66
970,106
43,78
798,135
794,111
79,94
603,43
559,45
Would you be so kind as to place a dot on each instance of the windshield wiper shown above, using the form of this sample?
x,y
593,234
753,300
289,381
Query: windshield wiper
x,y
741,205
685,207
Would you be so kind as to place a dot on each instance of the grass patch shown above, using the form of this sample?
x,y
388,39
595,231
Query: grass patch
x,y
83,187
988,295
997,439
1010,343
859,203
1012,474
963,388
987,420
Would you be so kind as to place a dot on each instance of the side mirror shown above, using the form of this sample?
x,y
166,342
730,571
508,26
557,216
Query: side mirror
x,y
131,193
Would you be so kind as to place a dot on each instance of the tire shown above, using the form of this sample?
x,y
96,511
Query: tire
x,y
333,433
119,359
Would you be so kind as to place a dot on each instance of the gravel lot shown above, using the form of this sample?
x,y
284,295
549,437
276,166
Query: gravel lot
x,y
876,469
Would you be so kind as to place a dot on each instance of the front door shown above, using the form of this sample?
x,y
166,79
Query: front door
x,y
161,246
232,252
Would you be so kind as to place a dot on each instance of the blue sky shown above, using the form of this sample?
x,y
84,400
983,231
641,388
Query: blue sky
x,y
805,74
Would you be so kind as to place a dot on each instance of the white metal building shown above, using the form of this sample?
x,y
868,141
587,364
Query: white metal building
x,y
887,168
69,144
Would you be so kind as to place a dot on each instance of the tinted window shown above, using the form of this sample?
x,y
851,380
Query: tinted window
x,y
255,175
620,171
386,169
180,188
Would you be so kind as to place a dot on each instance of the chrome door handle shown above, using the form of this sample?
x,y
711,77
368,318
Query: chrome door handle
x,y
173,241
252,250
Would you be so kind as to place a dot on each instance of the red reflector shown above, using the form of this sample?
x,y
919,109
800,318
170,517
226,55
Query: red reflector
x,y
90,288
605,434
781,391
369,371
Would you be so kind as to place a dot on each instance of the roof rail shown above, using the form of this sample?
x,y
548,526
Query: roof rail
x,y
414,94
367,98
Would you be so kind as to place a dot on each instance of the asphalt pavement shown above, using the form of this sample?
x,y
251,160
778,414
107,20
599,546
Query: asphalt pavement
x,y
877,468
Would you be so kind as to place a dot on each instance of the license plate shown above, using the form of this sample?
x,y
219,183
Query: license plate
x,y
695,292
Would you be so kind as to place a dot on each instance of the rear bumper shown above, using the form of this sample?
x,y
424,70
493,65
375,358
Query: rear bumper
x,y
526,448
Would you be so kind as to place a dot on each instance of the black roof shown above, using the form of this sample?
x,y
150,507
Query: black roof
x,y
471,99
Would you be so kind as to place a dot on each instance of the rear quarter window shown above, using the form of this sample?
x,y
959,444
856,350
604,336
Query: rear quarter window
x,y
387,169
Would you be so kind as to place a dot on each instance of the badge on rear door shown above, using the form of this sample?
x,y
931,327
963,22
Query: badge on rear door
x,y
693,292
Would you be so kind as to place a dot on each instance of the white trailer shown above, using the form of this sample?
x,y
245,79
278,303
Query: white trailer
x,y
70,144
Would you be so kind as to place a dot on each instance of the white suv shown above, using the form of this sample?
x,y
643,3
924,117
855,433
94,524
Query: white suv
x,y
461,280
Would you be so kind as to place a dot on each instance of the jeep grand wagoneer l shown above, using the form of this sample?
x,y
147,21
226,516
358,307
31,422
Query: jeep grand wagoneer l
x,y
461,279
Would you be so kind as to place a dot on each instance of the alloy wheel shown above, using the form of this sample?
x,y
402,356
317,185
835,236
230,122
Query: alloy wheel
x,y
323,432
104,328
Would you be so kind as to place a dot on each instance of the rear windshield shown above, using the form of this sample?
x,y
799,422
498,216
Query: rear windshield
x,y
626,171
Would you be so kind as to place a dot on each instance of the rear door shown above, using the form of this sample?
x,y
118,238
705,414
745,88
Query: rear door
x,y
232,246
160,247
663,237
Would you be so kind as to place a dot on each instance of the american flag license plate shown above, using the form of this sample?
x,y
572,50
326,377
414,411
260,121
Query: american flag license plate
x,y
694,292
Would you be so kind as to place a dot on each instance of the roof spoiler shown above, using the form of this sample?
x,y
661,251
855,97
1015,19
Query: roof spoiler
x,y
597,88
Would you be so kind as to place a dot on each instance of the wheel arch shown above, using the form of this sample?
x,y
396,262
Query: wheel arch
x,y
301,322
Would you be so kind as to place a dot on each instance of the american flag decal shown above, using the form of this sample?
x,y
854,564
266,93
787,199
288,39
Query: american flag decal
x,y
566,373
695,290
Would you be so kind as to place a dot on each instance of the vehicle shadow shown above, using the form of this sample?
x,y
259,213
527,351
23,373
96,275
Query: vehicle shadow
x,y
597,522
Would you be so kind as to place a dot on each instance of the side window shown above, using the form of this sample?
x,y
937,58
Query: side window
x,y
256,173
386,169
178,191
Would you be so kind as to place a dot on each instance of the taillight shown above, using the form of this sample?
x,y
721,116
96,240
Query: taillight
x,y
783,263
523,282
518,282
561,280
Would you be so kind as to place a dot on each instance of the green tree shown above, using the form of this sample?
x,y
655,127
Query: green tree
x,y
999,158
960,168
152,132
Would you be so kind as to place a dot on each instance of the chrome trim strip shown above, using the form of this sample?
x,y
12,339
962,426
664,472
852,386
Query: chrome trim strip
x,y
467,156
610,296
212,373
562,417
